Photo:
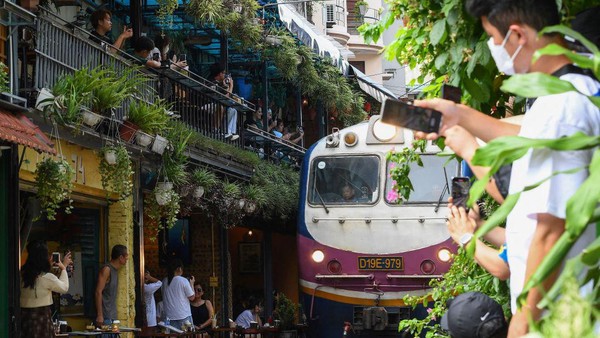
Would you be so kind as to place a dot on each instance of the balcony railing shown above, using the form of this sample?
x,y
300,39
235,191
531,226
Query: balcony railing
x,y
371,15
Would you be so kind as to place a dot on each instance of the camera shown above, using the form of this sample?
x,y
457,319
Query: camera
x,y
56,257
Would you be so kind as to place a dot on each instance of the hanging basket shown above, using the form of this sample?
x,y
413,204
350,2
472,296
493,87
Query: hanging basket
x,y
162,196
250,207
90,118
110,156
160,144
142,138
198,192
164,186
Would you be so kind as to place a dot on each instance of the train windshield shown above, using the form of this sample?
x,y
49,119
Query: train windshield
x,y
429,182
344,180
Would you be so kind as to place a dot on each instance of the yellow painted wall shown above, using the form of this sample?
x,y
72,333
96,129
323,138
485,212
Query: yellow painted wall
x,y
120,220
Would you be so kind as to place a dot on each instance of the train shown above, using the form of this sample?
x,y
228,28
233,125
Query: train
x,y
360,253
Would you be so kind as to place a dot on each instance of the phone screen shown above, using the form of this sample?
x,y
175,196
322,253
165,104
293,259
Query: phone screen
x,y
56,257
460,191
408,116
451,93
182,57
156,56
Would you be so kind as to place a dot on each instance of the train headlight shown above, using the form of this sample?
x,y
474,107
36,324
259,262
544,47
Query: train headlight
x,y
427,267
350,139
318,256
444,255
384,132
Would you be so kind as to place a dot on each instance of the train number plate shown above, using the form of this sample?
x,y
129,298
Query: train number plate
x,y
380,263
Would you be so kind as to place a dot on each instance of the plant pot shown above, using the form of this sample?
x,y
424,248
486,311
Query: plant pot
x,y
250,207
110,156
162,196
273,40
160,144
127,130
90,118
45,98
198,192
142,138
362,9
164,186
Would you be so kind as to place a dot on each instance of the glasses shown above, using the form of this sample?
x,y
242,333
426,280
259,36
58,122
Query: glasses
x,y
199,290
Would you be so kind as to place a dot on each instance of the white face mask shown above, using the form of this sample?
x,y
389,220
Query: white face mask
x,y
504,62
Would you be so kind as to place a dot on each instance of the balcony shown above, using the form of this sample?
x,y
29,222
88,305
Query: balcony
x,y
196,100
356,43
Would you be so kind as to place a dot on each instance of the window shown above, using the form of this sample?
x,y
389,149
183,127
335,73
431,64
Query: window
x,y
330,14
429,181
344,180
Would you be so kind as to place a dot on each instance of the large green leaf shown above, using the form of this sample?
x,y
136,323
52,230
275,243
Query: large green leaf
x,y
438,32
570,32
536,85
480,94
553,49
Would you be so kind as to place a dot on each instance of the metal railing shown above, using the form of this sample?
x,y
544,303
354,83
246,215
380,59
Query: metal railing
x,y
371,15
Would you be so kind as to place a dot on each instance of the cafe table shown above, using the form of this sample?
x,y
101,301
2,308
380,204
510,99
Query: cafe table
x,y
265,331
99,333
153,332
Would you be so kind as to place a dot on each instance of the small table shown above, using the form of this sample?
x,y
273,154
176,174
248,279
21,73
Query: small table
x,y
152,332
247,333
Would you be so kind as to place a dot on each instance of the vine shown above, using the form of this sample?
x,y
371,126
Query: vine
x,y
402,186
156,212
53,180
116,177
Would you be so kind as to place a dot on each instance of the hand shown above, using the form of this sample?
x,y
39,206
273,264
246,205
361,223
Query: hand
x,y
99,321
147,276
127,32
181,64
518,326
461,142
459,223
65,262
192,280
450,115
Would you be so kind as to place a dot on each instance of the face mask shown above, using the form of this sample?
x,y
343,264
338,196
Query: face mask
x,y
504,62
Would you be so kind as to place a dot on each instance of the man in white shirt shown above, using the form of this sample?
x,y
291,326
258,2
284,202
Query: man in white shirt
x,y
538,219
152,285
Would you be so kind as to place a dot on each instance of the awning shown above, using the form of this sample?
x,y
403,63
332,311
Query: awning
x,y
374,89
322,44
20,130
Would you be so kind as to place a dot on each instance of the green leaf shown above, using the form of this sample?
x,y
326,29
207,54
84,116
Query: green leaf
x,y
440,60
438,33
554,49
572,33
475,90
536,85
591,255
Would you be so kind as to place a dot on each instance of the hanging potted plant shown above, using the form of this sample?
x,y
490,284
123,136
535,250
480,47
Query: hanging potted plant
x,y
53,180
167,209
360,9
256,197
204,180
150,119
115,171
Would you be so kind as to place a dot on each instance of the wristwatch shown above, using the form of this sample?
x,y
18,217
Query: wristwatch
x,y
465,238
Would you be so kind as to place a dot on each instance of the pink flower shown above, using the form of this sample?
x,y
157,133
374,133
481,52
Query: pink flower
x,y
429,311
392,196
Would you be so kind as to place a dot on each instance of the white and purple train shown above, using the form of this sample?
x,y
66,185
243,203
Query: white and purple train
x,y
360,253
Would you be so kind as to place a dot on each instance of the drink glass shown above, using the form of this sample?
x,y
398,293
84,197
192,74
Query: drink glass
x,y
56,327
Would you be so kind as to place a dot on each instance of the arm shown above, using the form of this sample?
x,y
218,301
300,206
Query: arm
x,y
211,314
547,232
103,276
126,34
189,289
61,285
152,64
480,125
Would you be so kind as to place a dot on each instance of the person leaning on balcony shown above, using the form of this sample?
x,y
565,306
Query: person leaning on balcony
x,y
217,75
141,49
37,285
101,21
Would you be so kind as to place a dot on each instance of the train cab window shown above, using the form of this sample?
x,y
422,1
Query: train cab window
x,y
429,182
344,180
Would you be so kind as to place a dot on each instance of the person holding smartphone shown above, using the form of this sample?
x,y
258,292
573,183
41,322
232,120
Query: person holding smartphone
x,y
102,24
537,221
223,81
37,285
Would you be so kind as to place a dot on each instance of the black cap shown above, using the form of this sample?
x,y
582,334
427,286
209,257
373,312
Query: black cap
x,y
474,315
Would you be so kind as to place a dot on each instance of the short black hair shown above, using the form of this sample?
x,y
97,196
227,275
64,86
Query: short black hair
x,y
143,43
503,13
216,69
98,15
118,251
161,41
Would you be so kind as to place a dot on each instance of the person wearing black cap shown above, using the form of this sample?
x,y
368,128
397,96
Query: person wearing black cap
x,y
217,74
474,315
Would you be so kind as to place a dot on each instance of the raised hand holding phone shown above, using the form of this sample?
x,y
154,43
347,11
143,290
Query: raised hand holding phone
x,y
406,115
460,191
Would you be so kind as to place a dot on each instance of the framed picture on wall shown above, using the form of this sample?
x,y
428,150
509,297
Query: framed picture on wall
x,y
250,257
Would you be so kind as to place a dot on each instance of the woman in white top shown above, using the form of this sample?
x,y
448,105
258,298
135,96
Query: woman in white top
x,y
37,285
177,292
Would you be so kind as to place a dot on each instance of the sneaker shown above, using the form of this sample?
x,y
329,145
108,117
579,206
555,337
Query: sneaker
x,y
228,135
234,137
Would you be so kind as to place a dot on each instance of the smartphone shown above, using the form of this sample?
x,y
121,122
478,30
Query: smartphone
x,y
406,115
182,57
156,56
451,93
56,257
460,191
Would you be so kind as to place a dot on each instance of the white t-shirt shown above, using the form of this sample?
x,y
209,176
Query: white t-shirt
x,y
176,295
550,117
149,290
41,294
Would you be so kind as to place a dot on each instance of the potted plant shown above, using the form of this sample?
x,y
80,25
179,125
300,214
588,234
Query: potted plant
x,y
285,312
204,179
175,160
112,89
151,118
360,8
53,180
115,171
255,197
167,209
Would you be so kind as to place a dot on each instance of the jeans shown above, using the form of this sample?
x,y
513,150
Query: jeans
x,y
179,323
232,120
